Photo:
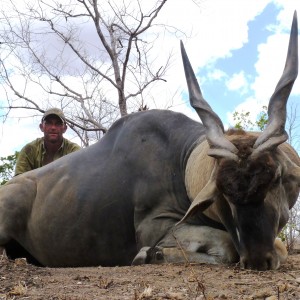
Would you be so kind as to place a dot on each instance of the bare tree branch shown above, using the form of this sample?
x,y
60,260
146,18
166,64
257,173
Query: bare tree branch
x,y
86,57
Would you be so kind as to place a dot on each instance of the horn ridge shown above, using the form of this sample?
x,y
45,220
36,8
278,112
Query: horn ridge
x,y
211,121
277,104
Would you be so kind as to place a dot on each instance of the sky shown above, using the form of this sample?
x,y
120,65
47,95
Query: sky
x,y
237,49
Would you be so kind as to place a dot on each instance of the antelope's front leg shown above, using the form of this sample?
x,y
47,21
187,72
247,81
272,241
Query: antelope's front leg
x,y
190,243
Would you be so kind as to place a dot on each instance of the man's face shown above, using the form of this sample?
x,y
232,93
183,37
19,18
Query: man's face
x,y
53,129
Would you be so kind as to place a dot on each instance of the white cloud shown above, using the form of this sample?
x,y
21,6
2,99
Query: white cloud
x,y
238,82
217,74
213,29
270,65
209,31
270,62
216,27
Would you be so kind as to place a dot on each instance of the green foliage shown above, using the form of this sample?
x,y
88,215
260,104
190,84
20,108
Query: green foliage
x,y
242,120
262,119
7,167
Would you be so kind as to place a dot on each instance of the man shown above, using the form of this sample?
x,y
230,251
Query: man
x,y
52,146
38,153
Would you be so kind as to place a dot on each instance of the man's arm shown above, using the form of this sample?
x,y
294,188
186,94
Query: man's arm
x,y
70,147
75,147
24,163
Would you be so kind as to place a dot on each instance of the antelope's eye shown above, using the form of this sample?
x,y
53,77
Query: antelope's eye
x,y
277,177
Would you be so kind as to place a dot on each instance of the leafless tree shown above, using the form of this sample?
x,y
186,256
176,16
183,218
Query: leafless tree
x,y
292,230
91,58
293,125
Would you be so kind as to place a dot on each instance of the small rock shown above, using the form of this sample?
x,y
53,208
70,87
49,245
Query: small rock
x,y
20,262
272,298
177,296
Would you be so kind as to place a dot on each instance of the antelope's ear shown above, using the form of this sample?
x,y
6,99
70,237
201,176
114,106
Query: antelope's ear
x,y
203,200
295,172
290,162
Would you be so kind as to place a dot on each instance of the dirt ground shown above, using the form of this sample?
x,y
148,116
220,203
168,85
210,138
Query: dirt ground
x,y
20,280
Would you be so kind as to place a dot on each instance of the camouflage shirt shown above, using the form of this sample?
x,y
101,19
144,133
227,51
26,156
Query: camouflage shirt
x,y
32,155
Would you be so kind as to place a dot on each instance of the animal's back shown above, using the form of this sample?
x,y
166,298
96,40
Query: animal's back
x,y
85,201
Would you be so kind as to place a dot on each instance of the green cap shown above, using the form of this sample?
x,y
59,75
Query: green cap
x,y
54,111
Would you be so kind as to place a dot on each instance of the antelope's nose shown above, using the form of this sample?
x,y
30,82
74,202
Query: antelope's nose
x,y
263,262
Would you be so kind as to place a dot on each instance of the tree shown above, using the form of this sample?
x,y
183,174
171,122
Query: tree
x,y
291,231
7,167
293,125
243,120
91,58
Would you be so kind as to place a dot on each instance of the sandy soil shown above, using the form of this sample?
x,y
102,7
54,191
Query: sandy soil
x,y
20,280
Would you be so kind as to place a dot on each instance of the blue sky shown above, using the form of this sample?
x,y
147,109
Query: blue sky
x,y
241,60
236,47
225,98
